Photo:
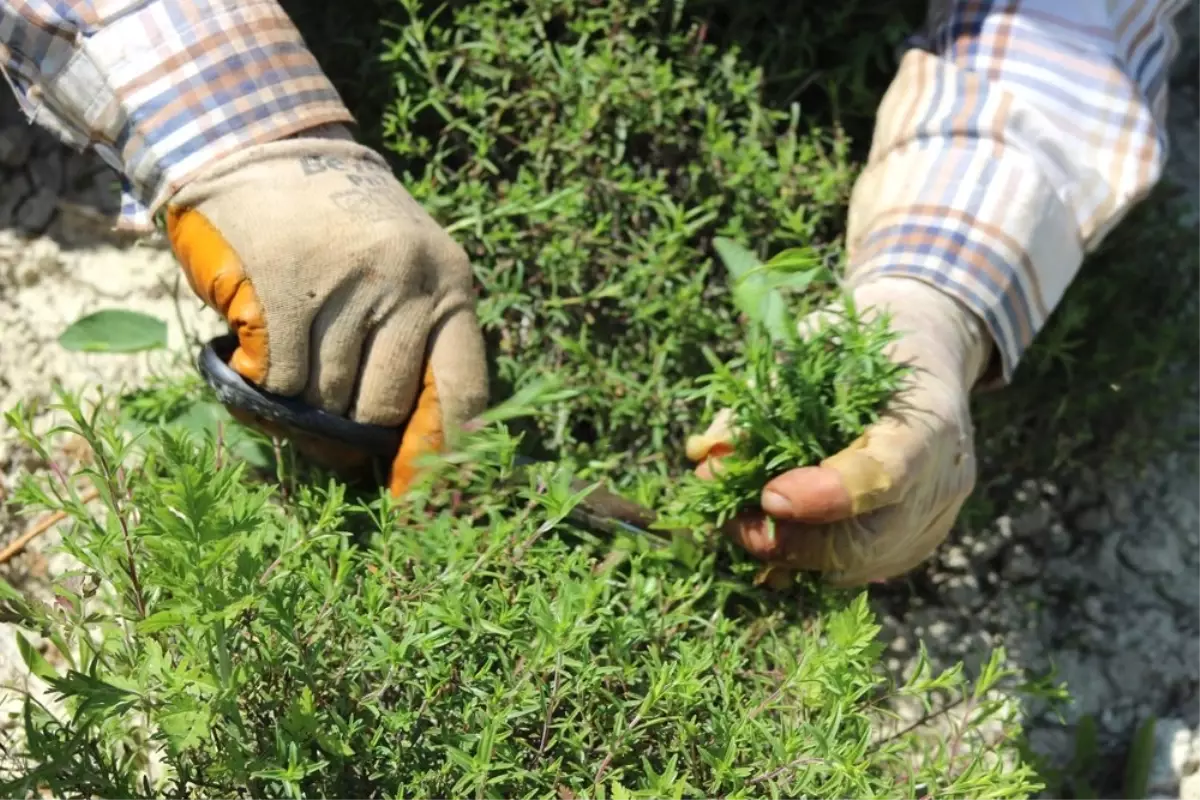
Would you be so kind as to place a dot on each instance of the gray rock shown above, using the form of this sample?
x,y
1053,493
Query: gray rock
x,y
1021,564
16,143
1150,553
1033,521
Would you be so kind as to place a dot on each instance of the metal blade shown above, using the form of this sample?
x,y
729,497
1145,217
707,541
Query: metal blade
x,y
607,511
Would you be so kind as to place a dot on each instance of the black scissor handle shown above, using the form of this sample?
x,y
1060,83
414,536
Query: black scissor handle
x,y
235,391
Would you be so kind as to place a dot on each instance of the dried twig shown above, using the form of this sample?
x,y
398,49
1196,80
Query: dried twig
x,y
40,527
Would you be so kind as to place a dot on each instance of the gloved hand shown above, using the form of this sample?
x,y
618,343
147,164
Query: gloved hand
x,y
341,288
881,506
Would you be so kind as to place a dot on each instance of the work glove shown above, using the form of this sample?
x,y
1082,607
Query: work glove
x,y
342,290
882,505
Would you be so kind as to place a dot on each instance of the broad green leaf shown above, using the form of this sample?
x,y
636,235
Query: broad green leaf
x,y
161,620
37,664
333,744
794,259
795,281
115,330
186,727
752,290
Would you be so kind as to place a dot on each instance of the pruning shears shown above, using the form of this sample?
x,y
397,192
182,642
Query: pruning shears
x,y
600,510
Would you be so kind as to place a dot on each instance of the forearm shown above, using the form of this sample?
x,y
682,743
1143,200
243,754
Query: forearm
x,y
163,88
1012,140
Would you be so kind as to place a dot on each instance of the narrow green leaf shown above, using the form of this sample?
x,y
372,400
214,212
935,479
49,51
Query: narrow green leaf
x,y
115,330
95,693
1086,743
1141,758
795,281
7,592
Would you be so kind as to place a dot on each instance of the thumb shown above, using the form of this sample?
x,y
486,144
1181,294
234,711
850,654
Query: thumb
x,y
217,276
874,471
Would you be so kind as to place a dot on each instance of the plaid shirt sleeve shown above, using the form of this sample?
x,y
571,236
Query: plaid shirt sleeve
x,y
1014,136
162,88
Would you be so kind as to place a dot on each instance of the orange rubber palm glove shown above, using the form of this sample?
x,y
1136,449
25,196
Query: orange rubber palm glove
x,y
882,505
341,288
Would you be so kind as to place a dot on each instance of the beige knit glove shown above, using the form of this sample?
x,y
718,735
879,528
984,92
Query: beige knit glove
x,y
341,288
881,506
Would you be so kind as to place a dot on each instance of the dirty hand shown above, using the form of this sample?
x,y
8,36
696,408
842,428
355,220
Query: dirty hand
x,y
881,506
342,290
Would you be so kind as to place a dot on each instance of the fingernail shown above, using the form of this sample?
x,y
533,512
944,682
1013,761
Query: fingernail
x,y
776,504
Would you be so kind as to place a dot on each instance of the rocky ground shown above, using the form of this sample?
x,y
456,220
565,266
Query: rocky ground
x,y
1100,579
59,260
1103,581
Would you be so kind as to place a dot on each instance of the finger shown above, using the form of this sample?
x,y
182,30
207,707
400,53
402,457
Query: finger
x,y
800,547
715,442
877,468
808,494
869,548
460,367
423,435
389,377
337,340
215,273
453,390
904,549
872,472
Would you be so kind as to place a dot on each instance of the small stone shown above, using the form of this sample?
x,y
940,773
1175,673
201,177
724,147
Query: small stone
x,y
991,541
47,172
1079,496
1021,565
1032,521
1170,736
15,143
941,630
961,591
956,558
1057,541
1189,787
1093,609
36,213
1151,554
1097,518
1121,504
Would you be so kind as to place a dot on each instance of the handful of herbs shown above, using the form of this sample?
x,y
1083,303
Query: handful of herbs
x,y
796,398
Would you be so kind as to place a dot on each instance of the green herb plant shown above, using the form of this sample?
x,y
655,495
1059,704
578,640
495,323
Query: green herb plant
x,y
795,399
291,638
224,637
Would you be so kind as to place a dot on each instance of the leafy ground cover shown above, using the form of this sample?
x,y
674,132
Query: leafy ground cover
x,y
288,638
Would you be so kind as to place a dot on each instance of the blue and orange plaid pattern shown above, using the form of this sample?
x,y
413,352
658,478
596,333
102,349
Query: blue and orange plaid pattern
x,y
1015,135
163,88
